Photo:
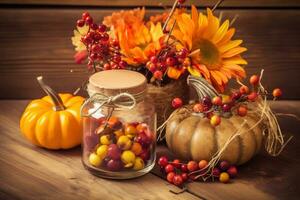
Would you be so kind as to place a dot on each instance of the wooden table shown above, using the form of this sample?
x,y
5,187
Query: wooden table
x,y
29,172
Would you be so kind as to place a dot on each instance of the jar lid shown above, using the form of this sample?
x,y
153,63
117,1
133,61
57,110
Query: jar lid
x,y
112,82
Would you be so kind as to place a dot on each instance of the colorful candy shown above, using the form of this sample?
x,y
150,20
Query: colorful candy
x,y
122,146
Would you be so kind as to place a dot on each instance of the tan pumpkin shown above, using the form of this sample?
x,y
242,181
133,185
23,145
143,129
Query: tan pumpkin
x,y
191,136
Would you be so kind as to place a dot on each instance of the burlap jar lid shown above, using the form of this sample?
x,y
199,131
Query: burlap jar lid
x,y
112,82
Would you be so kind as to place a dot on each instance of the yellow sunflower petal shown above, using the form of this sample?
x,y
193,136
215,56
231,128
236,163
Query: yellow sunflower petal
x,y
233,52
204,71
213,25
235,60
194,71
216,76
230,45
195,16
222,76
221,32
227,37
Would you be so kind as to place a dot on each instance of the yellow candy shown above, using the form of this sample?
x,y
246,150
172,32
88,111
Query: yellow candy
x,y
105,139
102,151
124,142
118,133
138,164
95,160
128,158
130,130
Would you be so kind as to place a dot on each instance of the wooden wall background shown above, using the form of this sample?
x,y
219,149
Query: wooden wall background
x,y
35,40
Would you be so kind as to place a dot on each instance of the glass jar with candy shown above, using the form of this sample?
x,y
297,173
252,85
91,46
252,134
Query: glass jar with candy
x,y
119,123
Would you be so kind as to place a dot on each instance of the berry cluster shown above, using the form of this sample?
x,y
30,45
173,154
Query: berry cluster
x,y
178,173
225,105
103,51
122,146
167,57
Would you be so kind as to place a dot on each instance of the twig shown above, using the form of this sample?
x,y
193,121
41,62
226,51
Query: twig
x,y
170,15
234,19
217,4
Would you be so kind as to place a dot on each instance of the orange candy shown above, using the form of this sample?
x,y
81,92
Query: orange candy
x,y
136,148
113,121
141,127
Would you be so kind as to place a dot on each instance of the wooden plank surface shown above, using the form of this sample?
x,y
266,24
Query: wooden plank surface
x,y
28,172
227,3
37,42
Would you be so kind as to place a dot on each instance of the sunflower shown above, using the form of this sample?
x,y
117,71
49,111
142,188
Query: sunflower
x,y
213,53
137,40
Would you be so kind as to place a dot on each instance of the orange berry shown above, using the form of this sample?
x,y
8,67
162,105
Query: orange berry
x,y
254,79
215,120
244,89
252,96
192,166
198,108
136,148
202,164
242,111
217,101
224,177
277,92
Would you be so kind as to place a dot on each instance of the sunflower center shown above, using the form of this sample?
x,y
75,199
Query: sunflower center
x,y
209,54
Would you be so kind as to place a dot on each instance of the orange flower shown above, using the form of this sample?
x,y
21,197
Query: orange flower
x,y
215,56
137,41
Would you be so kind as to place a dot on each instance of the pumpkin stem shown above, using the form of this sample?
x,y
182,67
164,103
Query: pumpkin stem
x,y
58,103
202,87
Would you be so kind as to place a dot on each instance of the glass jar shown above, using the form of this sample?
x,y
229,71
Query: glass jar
x,y
119,124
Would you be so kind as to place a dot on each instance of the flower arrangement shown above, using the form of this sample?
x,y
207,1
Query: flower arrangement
x,y
165,47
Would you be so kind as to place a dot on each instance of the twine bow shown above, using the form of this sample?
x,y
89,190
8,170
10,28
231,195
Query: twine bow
x,y
122,100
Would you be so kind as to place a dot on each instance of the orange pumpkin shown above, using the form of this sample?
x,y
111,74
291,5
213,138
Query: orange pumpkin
x,y
54,121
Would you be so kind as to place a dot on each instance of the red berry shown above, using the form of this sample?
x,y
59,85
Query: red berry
x,y
224,165
106,66
154,59
183,53
206,101
102,28
244,89
80,23
169,168
242,111
94,26
176,163
217,101
184,168
158,75
104,37
216,172
152,67
226,107
192,166
184,176
123,64
170,61
232,171
93,56
117,58
86,39
236,95
277,92
181,1
85,15
96,36
177,180
89,20
176,103
163,161
252,96
254,79
115,42
96,48
170,177
114,65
